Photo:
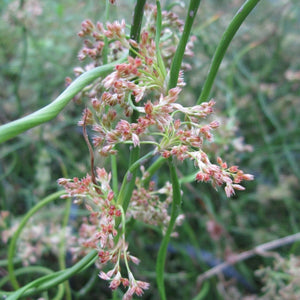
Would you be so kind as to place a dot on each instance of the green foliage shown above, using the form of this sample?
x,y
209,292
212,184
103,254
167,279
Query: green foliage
x,y
256,88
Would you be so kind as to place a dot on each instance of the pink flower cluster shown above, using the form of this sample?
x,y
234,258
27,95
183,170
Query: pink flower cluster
x,y
219,174
139,85
99,230
96,34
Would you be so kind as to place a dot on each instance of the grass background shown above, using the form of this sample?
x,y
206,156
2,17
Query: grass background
x,y
257,93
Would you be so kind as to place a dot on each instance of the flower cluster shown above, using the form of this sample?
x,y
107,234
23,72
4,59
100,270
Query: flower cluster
x,y
146,206
144,69
133,105
99,230
115,277
40,237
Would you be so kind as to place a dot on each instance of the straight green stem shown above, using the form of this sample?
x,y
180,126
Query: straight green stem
x,y
126,191
177,59
114,170
162,253
219,54
153,168
157,39
137,22
124,194
62,247
105,48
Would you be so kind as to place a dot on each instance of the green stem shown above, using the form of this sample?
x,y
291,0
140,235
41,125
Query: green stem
x,y
135,31
29,269
105,48
153,168
161,259
137,22
22,67
45,283
131,176
204,291
127,188
49,112
114,171
34,269
177,60
87,287
4,262
62,247
12,245
227,37
160,61
124,195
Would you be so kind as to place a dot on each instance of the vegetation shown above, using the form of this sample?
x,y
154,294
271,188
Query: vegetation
x,y
138,193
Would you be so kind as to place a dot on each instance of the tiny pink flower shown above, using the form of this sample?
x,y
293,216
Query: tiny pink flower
x,y
104,276
229,191
135,140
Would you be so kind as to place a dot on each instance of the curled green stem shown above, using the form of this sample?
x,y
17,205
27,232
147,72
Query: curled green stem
x,y
12,245
49,112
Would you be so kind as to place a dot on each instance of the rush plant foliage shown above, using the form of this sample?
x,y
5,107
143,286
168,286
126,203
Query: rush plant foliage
x,y
133,105
132,83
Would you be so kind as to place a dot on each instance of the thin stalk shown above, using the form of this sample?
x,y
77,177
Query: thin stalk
x,y
219,54
130,178
174,74
203,293
177,60
137,22
13,243
26,270
34,269
45,283
126,191
153,168
161,259
123,198
62,247
105,48
160,61
49,112
22,67
87,287
135,35
114,171
4,262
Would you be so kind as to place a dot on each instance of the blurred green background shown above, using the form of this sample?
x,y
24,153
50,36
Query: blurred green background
x,y
257,91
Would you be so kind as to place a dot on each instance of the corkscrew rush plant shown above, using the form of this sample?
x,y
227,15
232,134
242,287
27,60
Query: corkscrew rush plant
x,y
132,87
